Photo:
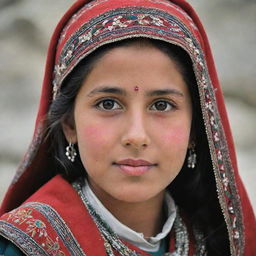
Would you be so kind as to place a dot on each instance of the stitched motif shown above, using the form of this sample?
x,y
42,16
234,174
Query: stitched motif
x,y
41,224
133,22
36,228
119,22
63,231
21,239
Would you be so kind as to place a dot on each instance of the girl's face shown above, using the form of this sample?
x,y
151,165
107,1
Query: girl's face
x,y
132,123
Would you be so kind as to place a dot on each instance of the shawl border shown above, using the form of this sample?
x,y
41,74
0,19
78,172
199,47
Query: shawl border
x,y
169,28
37,229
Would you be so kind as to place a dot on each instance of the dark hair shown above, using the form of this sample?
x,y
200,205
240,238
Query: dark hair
x,y
194,190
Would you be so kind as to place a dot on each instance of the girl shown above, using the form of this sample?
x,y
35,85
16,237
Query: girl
x,y
132,152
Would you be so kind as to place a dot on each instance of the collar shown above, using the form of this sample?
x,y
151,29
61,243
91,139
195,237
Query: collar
x,y
150,244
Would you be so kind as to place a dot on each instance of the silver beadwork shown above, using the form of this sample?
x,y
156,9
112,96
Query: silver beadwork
x,y
192,157
112,241
71,152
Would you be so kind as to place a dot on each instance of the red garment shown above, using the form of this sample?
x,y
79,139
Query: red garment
x,y
186,31
70,231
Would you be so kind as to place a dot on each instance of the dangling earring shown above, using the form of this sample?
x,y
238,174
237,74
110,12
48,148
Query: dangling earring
x,y
71,152
192,156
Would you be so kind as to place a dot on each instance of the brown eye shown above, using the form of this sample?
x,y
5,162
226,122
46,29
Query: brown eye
x,y
108,104
161,105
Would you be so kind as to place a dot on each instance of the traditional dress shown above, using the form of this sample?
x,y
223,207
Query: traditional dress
x,y
43,214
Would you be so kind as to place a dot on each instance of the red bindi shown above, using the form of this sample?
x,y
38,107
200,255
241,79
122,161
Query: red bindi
x,y
136,88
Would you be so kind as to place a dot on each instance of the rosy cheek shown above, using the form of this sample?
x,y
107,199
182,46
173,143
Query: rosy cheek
x,y
178,136
95,134
93,140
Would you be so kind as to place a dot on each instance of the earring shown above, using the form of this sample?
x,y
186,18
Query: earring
x,y
192,156
71,152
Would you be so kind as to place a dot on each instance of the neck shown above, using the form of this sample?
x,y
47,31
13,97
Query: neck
x,y
145,217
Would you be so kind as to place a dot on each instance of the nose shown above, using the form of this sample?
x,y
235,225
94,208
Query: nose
x,y
135,135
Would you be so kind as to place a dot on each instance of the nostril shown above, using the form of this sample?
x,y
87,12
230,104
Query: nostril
x,y
139,143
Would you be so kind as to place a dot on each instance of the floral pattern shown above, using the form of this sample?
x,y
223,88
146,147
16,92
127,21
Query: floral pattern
x,y
35,227
20,216
38,230
53,247
131,22
89,33
125,23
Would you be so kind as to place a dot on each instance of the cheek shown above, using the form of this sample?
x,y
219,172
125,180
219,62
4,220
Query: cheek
x,y
178,136
95,138
93,133
92,141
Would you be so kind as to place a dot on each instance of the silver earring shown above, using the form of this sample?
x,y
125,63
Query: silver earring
x,y
192,156
71,152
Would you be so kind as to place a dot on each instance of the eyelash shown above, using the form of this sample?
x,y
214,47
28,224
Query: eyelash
x,y
99,105
115,102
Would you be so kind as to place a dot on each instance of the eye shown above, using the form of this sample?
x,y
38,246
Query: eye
x,y
161,105
108,104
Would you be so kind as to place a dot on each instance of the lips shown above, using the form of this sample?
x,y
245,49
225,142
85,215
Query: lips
x,y
133,162
134,167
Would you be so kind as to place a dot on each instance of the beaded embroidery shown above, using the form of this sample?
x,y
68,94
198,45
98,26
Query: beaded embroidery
x,y
30,228
121,21
131,22
35,227
157,25
113,242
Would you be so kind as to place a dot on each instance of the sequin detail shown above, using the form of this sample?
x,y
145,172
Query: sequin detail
x,y
23,218
113,243
33,225
130,22
146,22
135,22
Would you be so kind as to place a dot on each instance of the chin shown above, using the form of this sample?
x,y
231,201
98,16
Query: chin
x,y
138,195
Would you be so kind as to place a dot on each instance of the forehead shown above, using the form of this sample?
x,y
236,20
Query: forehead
x,y
129,66
104,21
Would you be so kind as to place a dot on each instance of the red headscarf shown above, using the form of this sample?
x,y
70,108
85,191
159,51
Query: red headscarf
x,y
88,25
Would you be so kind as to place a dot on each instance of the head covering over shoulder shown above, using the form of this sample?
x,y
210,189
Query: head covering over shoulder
x,y
87,26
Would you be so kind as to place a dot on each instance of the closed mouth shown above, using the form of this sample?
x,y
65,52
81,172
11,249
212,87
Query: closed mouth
x,y
134,162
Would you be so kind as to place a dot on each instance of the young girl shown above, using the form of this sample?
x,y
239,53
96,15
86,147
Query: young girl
x,y
132,152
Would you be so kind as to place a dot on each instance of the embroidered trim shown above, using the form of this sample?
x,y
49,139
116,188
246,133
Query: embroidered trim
x,y
223,170
113,242
35,222
60,227
155,25
120,22
21,239
146,22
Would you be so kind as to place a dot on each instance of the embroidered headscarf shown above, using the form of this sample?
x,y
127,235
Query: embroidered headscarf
x,y
88,25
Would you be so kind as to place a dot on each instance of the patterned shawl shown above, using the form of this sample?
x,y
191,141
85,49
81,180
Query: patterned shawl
x,y
88,25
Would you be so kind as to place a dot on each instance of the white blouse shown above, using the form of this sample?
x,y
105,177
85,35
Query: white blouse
x,y
151,244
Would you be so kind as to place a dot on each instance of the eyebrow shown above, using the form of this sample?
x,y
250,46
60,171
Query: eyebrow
x,y
122,92
162,92
108,89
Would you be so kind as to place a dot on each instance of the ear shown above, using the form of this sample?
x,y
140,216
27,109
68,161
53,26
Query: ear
x,y
69,129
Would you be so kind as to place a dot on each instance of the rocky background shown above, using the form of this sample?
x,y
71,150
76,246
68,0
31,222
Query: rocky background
x,y
25,30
